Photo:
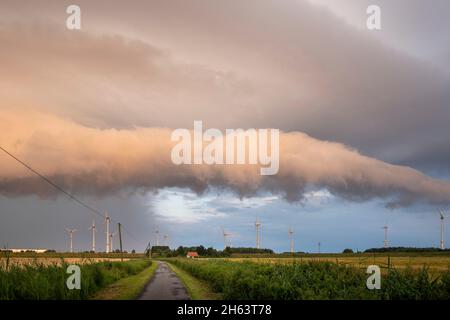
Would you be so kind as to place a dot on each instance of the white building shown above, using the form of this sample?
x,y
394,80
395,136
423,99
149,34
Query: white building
x,y
24,250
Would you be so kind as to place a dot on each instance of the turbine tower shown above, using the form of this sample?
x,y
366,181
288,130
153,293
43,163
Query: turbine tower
x,y
226,238
93,235
291,239
166,240
386,243
111,236
71,232
157,238
258,235
442,245
107,220
318,244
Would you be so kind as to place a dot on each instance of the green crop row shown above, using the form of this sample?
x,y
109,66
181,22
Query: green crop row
x,y
48,282
313,280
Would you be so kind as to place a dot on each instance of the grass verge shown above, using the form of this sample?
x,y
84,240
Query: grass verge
x,y
128,288
49,282
197,289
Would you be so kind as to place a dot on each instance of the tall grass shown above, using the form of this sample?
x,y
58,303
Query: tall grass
x,y
48,282
312,280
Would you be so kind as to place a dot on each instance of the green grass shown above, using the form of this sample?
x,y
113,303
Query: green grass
x,y
197,289
128,288
48,282
312,280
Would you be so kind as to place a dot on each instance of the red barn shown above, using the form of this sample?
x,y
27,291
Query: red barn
x,y
192,254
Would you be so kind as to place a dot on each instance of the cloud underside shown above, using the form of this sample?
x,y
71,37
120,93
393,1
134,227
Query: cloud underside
x,y
94,161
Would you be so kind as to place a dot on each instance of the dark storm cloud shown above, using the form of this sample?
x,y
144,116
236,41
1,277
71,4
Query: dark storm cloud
x,y
28,222
150,64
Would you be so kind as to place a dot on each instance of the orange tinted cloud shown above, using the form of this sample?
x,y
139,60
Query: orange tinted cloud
x,y
104,161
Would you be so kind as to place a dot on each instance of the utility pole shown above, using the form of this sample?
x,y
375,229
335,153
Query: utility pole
x,y
119,225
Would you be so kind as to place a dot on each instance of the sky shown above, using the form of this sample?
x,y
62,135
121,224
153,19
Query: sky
x,y
363,116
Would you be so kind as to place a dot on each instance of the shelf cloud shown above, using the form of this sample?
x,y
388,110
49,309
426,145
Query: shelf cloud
x,y
104,161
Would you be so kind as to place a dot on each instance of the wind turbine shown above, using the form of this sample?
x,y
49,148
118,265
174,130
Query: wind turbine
x,y
107,221
157,238
93,234
258,236
226,238
166,240
386,243
291,239
111,236
442,216
71,232
318,244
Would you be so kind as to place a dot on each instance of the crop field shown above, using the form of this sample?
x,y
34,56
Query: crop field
x,y
48,281
435,263
317,278
4,262
4,254
47,259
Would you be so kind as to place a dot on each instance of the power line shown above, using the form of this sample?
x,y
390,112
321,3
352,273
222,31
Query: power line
x,y
66,193
69,195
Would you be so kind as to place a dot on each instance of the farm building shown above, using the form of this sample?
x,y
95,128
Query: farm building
x,y
192,254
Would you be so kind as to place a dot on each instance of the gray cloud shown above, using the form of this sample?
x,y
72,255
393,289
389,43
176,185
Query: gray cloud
x,y
28,222
85,107
417,27
255,64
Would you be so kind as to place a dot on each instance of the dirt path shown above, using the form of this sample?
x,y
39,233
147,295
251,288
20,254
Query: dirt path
x,y
164,285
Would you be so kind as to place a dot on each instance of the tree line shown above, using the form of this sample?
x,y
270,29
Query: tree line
x,y
182,251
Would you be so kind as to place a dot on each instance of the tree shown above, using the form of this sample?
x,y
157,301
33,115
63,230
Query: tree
x,y
201,250
347,251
